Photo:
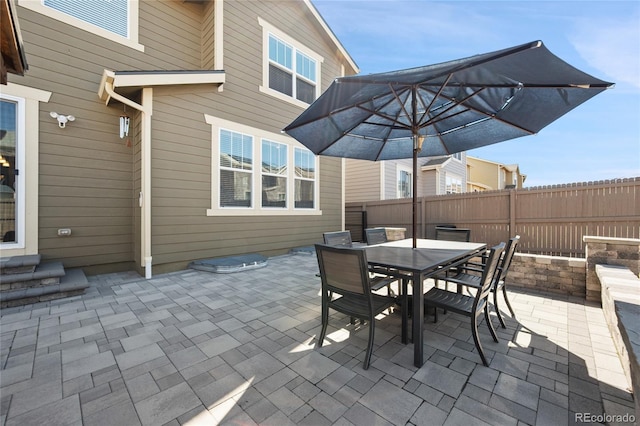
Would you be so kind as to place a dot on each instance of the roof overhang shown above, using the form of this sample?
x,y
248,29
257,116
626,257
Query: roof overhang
x,y
139,79
436,165
13,58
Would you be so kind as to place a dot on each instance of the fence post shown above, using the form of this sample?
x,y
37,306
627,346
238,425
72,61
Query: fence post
x,y
423,218
364,219
512,213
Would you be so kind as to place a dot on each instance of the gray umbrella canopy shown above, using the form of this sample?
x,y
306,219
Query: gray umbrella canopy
x,y
444,108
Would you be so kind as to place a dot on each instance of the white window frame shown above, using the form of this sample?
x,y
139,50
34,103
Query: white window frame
x,y
27,150
19,214
286,176
450,178
256,202
268,29
304,178
248,172
133,24
399,171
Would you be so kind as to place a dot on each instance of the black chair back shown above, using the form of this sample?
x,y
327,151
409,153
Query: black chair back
x,y
453,234
343,270
376,235
508,257
338,238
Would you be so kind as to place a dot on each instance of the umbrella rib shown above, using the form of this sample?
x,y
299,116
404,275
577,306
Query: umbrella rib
x,y
433,100
385,116
439,117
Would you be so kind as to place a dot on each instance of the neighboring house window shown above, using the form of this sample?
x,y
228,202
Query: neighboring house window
x,y
405,181
291,71
236,169
274,174
256,172
457,156
116,20
305,176
454,185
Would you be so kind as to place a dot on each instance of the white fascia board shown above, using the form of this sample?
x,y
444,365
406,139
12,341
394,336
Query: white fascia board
x,y
167,78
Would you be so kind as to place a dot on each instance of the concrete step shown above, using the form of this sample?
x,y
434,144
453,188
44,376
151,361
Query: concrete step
x,y
72,283
19,264
44,274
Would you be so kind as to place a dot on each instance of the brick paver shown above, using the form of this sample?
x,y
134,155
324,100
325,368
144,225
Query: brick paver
x,y
193,347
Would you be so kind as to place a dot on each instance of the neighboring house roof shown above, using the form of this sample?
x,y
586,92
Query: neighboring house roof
x,y
14,60
434,163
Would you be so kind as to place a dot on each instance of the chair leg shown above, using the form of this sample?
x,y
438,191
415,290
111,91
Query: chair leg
x,y
495,306
476,339
506,299
489,324
367,357
325,322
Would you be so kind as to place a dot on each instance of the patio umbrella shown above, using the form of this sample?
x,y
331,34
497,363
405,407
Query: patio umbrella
x,y
444,108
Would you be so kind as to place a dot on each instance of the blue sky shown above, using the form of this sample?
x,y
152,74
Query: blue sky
x,y
598,140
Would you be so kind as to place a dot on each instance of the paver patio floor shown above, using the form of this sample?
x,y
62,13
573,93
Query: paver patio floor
x,y
199,348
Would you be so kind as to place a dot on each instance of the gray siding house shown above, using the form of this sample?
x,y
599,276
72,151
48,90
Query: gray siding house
x,y
392,179
153,138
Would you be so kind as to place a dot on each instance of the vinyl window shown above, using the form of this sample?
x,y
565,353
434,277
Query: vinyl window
x,y
256,172
115,20
405,182
291,71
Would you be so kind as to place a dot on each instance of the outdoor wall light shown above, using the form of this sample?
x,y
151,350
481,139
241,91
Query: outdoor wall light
x,y
62,119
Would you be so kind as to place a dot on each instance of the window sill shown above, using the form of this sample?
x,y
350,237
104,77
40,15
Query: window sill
x,y
283,97
262,212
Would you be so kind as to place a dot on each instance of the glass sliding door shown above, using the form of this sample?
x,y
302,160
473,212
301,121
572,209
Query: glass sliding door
x,y
10,179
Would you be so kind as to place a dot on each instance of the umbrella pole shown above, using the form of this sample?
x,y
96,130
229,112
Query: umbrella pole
x,y
416,148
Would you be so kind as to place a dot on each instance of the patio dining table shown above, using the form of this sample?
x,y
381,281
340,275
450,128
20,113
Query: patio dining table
x,y
427,259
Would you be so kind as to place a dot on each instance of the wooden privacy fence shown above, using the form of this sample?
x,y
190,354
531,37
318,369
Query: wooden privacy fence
x,y
550,220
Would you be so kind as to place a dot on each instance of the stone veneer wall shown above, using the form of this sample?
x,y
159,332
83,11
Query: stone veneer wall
x,y
609,251
555,274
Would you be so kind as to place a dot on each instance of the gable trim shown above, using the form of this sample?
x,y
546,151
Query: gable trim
x,y
331,35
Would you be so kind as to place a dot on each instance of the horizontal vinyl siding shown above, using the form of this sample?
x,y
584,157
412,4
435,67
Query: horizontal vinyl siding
x,y
362,180
89,178
181,194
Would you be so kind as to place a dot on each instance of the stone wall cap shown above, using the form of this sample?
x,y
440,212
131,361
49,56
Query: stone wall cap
x,y
611,240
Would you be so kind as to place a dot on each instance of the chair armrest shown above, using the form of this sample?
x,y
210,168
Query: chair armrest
x,y
380,282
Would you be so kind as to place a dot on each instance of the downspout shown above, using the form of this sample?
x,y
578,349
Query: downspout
x,y
145,172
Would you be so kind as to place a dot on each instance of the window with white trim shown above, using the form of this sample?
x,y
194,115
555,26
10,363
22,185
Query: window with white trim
x,y
236,169
111,15
116,20
274,174
291,71
405,182
256,172
12,112
305,178
454,185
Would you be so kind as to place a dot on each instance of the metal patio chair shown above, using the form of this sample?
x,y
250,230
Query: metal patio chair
x,y
471,306
470,274
346,288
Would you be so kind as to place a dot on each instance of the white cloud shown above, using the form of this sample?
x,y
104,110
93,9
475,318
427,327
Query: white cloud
x,y
612,47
